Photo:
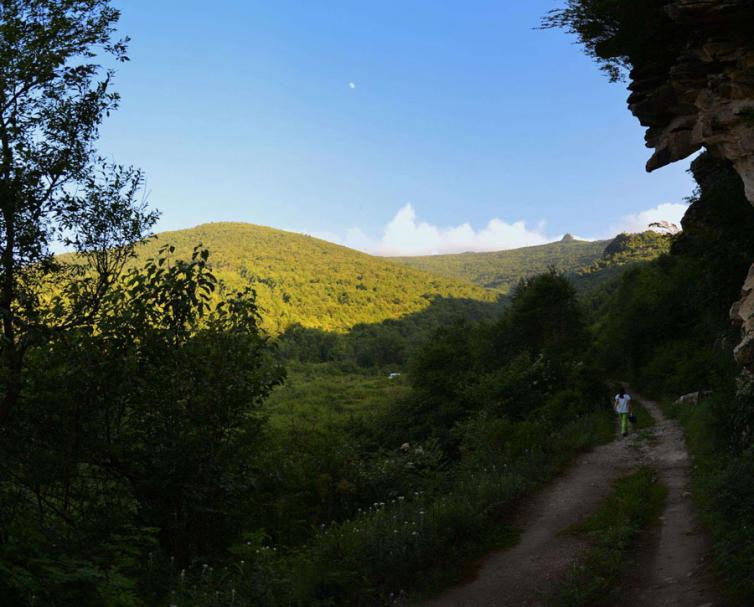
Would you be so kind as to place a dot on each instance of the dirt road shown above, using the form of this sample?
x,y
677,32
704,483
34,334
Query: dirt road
x,y
667,570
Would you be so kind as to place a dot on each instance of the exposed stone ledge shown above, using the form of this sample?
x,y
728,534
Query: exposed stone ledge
x,y
703,96
742,315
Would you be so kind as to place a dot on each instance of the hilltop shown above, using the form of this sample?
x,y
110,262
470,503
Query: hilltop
x,y
501,270
587,263
301,280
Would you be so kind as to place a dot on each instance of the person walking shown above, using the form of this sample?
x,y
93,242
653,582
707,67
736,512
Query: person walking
x,y
622,406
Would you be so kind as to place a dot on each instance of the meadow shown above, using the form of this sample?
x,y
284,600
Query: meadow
x,y
323,394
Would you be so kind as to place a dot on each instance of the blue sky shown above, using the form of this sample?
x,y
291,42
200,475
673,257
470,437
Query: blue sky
x,y
460,113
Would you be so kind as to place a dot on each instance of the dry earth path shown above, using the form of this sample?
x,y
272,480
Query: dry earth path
x,y
668,568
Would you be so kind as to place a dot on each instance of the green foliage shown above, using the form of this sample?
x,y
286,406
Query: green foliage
x,y
144,421
665,324
491,412
385,345
619,34
544,317
380,313
590,266
634,504
502,270
300,280
406,541
536,348
324,394
349,494
55,188
630,248
723,464
165,430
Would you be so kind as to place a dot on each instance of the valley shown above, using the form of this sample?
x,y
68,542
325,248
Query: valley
x,y
237,415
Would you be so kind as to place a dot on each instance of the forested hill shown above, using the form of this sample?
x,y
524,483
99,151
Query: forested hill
x,y
587,263
501,270
303,280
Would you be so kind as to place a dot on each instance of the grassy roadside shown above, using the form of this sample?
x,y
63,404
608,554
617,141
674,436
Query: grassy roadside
x,y
461,552
635,503
644,419
722,490
411,546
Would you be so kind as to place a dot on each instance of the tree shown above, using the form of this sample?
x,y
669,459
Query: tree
x,y
145,427
545,318
183,424
54,189
617,33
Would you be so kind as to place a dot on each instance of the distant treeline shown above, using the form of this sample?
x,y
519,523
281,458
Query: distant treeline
x,y
300,280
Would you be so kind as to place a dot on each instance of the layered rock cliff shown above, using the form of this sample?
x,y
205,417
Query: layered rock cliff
x,y
700,93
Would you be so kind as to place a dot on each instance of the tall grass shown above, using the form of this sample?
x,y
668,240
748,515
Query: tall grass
x,y
317,394
634,504
398,546
723,466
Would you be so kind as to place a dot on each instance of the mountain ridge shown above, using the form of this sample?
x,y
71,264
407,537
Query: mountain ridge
x,y
501,270
304,280
307,281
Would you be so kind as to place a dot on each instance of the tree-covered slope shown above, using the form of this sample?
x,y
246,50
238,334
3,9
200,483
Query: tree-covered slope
x,y
317,284
621,253
588,263
501,270
301,280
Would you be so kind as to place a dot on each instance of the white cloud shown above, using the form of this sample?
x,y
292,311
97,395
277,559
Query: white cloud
x,y
639,222
406,235
351,85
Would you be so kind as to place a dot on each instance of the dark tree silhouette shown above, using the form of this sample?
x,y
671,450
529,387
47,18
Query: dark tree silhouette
x,y
54,189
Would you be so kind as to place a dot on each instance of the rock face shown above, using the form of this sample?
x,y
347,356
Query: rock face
x,y
742,314
694,398
701,94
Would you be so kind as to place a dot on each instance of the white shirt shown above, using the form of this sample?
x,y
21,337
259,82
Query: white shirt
x,y
621,403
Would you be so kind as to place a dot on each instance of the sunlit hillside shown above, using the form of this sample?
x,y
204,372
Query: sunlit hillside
x,y
501,270
587,263
317,284
300,279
